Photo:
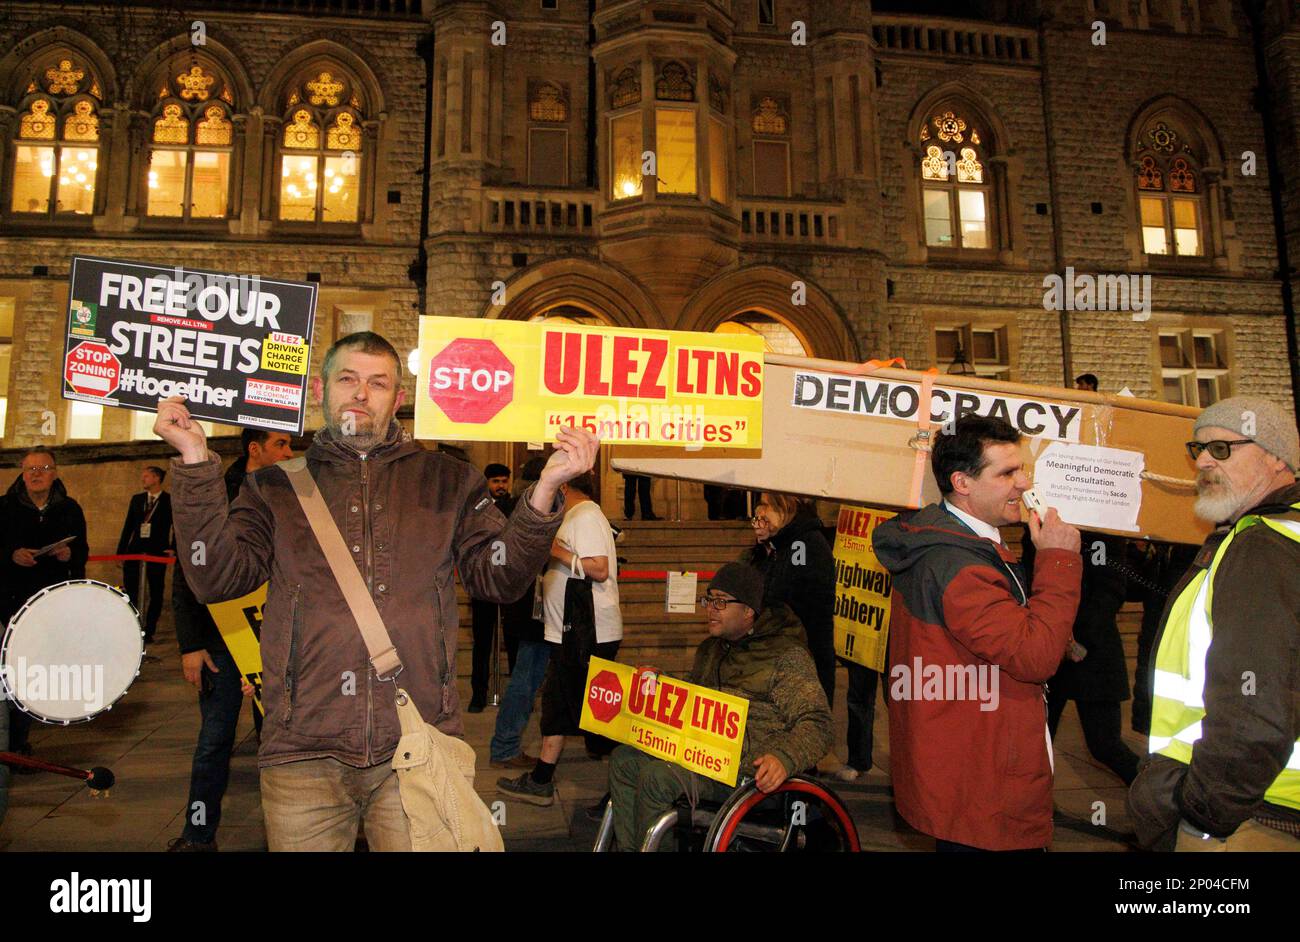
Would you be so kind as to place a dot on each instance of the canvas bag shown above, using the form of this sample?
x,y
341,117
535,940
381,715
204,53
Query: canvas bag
x,y
435,772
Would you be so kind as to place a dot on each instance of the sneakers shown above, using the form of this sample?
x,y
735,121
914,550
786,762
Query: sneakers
x,y
849,774
525,789
181,845
521,761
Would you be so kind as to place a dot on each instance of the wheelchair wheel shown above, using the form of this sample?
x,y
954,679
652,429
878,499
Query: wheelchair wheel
x,y
800,816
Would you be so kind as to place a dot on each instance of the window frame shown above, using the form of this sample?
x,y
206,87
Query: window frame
x,y
62,109
1003,368
996,238
186,218
324,115
1189,373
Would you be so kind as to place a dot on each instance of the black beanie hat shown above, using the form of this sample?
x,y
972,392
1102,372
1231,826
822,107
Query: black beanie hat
x,y
744,583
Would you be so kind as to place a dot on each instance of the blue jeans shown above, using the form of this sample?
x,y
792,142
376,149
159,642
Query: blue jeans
x,y
517,702
220,701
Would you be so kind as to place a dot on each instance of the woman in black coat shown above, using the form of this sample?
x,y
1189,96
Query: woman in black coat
x,y
798,569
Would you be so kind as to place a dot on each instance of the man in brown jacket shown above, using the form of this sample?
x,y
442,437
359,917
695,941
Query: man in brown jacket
x,y
410,517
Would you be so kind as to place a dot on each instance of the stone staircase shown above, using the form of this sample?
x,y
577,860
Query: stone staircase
x,y
651,635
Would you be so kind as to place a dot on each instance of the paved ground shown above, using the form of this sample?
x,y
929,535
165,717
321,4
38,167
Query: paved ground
x,y
148,741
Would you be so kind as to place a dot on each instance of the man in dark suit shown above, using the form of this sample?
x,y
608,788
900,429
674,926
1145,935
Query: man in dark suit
x,y
147,529
485,613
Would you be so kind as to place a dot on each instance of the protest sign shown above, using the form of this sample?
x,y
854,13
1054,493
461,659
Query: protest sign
x,y
240,623
698,728
863,589
492,380
236,346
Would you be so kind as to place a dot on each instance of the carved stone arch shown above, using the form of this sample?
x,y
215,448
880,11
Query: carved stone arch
x,y
1187,114
979,106
373,102
144,90
599,287
819,323
16,65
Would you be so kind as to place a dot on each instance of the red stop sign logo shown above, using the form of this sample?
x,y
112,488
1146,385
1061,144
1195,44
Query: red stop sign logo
x,y
91,369
605,696
471,380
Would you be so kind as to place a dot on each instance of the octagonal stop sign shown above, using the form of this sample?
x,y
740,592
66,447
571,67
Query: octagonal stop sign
x,y
471,380
91,369
605,696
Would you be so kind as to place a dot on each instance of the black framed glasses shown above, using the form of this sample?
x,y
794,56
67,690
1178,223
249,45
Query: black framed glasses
x,y
716,602
1219,450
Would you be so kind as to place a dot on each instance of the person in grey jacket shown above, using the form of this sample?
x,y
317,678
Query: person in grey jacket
x,y
411,518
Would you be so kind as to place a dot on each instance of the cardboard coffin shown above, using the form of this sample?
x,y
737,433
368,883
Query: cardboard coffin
x,y
1115,464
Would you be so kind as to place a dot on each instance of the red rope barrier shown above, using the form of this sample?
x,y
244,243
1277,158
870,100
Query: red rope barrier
x,y
132,557
658,574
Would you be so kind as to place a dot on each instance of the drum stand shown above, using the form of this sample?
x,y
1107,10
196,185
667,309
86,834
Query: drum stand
x,y
141,586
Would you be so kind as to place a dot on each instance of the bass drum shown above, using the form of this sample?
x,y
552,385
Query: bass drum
x,y
71,652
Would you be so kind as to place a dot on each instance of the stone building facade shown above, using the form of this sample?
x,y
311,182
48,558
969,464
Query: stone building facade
x,y
849,179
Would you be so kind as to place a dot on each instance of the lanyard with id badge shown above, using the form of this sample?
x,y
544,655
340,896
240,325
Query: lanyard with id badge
x,y
146,528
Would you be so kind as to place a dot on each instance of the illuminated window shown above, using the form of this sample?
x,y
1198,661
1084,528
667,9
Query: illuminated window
x,y
771,128
56,152
321,149
675,150
955,189
191,138
85,421
1169,189
625,156
1194,367
142,427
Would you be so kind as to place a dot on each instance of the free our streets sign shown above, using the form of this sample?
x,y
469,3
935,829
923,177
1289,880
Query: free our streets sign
x,y
236,346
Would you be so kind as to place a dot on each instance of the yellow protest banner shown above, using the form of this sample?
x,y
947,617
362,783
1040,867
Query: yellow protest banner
x,y
240,623
695,727
518,381
862,589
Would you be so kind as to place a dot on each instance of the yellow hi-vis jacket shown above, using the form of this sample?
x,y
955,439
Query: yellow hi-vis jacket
x,y
1178,692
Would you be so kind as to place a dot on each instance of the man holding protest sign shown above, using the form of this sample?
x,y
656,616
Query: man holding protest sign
x,y
408,516
754,651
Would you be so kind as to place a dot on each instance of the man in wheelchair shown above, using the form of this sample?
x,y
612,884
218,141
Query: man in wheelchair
x,y
756,652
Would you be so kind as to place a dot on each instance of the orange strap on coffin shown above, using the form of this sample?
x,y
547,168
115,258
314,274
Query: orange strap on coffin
x,y
920,442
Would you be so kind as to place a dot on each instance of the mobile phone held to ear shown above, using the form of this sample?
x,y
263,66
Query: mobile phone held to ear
x,y
1033,503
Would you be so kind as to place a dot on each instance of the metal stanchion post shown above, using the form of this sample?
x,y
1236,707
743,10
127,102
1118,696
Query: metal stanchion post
x,y
496,658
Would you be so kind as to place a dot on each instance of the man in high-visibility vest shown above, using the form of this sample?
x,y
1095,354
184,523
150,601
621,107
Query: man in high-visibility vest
x,y
1224,770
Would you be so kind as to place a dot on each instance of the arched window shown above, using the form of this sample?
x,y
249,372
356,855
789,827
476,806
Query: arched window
x,y
191,133
56,151
321,147
1170,187
956,187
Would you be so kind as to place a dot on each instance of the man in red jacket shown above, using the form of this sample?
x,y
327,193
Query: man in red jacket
x,y
972,640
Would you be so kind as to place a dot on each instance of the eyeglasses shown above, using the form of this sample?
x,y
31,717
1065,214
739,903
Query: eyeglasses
x,y
1219,450
717,602
39,469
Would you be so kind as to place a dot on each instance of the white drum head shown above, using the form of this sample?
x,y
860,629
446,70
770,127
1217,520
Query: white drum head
x,y
72,651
